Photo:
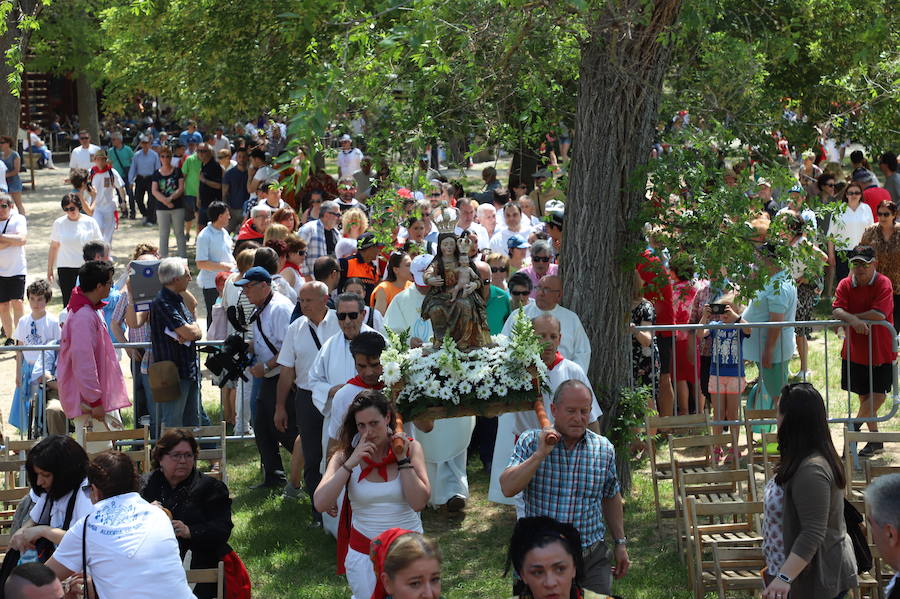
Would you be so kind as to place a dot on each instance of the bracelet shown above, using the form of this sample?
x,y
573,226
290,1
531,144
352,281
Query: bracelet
x,y
405,467
784,577
347,468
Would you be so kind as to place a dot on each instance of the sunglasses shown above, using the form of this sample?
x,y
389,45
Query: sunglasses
x,y
84,138
70,209
520,293
854,193
499,269
333,213
346,315
829,185
859,263
436,194
540,258
885,214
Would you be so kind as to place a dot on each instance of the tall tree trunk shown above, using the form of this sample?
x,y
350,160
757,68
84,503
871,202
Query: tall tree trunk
x,y
10,107
620,81
88,115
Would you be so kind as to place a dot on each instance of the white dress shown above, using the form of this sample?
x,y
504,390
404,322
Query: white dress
x,y
376,508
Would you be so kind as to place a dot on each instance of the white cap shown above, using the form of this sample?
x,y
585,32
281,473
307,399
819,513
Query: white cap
x,y
346,137
418,266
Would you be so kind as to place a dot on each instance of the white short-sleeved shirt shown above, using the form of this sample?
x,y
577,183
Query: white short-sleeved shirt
x,y
45,330
12,258
847,227
299,348
83,158
72,235
131,550
57,508
214,245
106,184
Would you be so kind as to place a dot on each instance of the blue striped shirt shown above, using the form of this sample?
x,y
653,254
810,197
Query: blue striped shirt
x,y
570,484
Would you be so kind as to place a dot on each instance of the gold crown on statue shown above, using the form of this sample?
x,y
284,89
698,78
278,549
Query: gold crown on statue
x,y
445,219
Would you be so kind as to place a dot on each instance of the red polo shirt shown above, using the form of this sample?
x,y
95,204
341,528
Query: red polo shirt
x,y
857,298
657,288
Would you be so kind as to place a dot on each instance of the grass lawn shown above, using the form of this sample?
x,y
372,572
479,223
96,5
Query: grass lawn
x,y
287,559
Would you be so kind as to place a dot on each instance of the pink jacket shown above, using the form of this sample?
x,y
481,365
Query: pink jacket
x,y
87,369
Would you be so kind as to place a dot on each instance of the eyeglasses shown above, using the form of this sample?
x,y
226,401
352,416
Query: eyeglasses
x,y
499,269
181,457
84,138
436,194
540,258
70,209
548,289
333,213
519,293
346,315
885,214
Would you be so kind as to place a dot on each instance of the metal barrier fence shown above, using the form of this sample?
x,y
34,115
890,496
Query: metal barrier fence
x,y
38,424
824,325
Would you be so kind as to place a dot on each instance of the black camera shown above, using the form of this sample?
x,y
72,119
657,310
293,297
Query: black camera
x,y
229,363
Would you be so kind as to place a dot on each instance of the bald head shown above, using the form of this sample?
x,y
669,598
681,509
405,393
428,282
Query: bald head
x,y
549,292
33,581
547,328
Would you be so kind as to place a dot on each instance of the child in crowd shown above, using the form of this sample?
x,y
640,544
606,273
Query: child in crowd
x,y
32,366
726,370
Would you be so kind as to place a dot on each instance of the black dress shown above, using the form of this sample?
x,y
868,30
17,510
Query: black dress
x,y
203,504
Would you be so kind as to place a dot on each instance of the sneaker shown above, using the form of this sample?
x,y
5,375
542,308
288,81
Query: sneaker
x,y
291,492
871,449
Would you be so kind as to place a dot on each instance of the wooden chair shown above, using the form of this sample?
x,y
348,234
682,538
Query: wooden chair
x,y
9,501
17,452
141,457
752,417
854,488
719,486
733,524
216,456
214,575
737,568
769,459
663,471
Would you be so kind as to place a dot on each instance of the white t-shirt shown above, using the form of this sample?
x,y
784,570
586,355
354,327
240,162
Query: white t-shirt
x,y
131,550
58,507
213,245
498,241
298,351
265,173
12,258
106,184
83,157
847,227
44,332
72,235
221,143
348,161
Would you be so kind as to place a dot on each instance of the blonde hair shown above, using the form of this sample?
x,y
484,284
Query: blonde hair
x,y
501,258
244,259
276,231
407,549
354,213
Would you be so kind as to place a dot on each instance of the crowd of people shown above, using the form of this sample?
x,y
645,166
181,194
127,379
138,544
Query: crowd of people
x,y
310,279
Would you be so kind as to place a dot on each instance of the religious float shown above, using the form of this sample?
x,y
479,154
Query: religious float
x,y
463,370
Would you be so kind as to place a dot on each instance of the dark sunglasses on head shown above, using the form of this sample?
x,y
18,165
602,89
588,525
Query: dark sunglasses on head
x,y
519,292
346,315
540,258
499,269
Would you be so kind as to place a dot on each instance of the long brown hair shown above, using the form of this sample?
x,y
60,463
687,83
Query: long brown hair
x,y
803,432
370,398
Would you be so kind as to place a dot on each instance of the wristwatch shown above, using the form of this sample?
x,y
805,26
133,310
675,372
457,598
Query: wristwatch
x,y
784,577
622,541
403,462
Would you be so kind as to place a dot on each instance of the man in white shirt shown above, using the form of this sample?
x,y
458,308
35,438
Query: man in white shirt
x,y
270,321
83,155
466,208
348,158
219,141
334,366
404,312
575,343
487,218
302,342
514,225
513,424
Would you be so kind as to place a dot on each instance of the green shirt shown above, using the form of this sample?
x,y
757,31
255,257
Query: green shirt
x,y
497,309
190,168
121,160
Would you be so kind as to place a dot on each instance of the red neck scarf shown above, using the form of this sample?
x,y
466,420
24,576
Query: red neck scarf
x,y
96,171
380,467
380,547
357,380
556,360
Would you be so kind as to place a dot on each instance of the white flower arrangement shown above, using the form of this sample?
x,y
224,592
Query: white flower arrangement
x,y
504,372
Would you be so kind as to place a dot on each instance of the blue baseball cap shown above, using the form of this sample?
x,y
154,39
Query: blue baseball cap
x,y
256,274
517,242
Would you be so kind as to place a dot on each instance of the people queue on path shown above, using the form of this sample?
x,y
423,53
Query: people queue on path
x,y
313,291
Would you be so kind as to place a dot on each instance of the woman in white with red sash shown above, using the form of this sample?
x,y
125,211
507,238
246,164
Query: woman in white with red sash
x,y
384,489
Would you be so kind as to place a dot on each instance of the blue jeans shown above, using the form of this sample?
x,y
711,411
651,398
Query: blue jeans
x,y
184,411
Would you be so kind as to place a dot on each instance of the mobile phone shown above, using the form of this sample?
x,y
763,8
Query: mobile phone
x,y
717,308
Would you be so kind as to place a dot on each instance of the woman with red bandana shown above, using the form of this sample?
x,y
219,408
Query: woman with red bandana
x,y
385,487
407,566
